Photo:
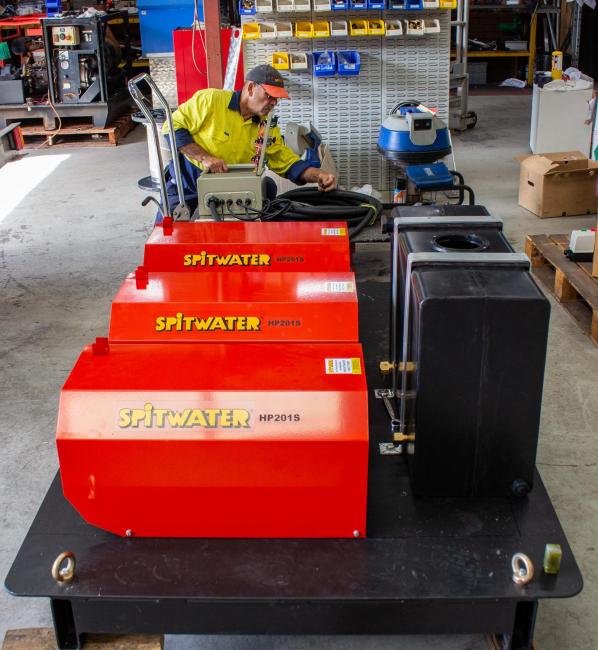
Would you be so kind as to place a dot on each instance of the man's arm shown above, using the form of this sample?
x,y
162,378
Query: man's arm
x,y
326,181
187,121
211,164
284,161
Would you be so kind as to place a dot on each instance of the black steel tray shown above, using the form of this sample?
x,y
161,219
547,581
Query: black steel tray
x,y
431,566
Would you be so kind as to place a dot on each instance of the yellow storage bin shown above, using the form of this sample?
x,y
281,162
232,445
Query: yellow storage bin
x,y
280,60
251,30
321,29
447,4
376,27
304,29
358,27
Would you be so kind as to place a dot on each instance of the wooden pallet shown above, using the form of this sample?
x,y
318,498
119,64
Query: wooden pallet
x,y
571,283
78,134
42,638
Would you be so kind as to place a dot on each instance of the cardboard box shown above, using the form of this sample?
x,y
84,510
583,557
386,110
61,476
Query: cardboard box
x,y
558,184
595,259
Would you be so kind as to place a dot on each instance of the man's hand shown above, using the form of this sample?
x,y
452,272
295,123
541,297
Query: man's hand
x,y
326,182
213,165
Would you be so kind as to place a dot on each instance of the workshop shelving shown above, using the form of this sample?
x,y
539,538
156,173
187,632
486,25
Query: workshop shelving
x,y
358,28
389,66
252,7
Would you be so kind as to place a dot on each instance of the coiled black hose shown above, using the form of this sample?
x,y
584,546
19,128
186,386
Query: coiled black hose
x,y
309,204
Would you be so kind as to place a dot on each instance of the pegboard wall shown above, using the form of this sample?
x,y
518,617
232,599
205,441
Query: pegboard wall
x,y
348,111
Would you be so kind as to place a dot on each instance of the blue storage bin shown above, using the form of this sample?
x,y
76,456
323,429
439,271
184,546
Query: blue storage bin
x,y
158,19
340,5
397,4
324,64
246,7
376,4
359,4
348,63
414,4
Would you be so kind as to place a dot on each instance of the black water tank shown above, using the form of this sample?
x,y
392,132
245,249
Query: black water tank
x,y
477,333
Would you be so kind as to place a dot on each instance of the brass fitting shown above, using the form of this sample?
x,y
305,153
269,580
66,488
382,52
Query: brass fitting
x,y
402,437
386,367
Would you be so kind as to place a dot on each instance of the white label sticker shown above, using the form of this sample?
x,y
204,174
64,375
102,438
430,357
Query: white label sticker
x,y
334,232
339,287
343,366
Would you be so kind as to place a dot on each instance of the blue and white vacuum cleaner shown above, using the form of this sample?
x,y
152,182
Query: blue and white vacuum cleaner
x,y
413,139
412,134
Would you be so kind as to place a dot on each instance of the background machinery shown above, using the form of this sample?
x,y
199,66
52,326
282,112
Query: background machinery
x,y
76,68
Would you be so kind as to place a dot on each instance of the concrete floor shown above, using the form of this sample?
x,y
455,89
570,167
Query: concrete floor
x,y
65,246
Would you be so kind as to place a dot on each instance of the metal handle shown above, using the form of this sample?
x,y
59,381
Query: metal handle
x,y
260,165
407,102
182,210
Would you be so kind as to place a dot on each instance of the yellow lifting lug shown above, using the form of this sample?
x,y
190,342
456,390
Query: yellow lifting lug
x,y
403,437
386,367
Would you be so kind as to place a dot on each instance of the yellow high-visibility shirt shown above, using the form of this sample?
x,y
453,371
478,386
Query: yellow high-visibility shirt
x,y
214,122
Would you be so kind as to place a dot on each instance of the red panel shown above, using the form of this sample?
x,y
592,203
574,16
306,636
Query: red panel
x,y
236,306
189,79
217,246
217,440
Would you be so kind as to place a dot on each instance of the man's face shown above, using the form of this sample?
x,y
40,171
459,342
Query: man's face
x,y
260,103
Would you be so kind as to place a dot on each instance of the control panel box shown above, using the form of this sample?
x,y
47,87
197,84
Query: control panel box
x,y
65,35
238,192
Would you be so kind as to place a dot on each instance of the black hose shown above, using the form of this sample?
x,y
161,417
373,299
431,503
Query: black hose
x,y
310,204
214,210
